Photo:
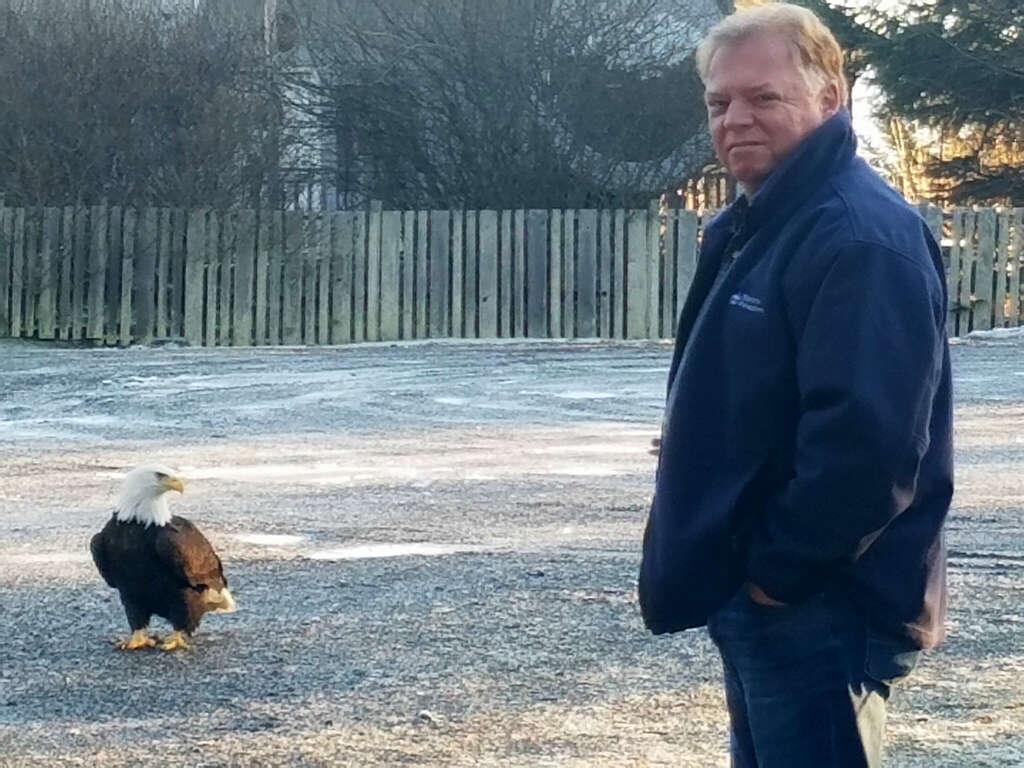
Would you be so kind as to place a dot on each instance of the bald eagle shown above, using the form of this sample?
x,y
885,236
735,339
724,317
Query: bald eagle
x,y
160,564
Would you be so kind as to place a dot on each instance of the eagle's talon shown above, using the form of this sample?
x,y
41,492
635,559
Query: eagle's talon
x,y
138,639
174,642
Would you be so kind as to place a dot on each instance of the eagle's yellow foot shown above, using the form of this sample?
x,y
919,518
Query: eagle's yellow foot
x,y
175,641
138,639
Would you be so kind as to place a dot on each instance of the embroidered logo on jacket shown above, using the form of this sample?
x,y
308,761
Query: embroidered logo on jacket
x,y
746,301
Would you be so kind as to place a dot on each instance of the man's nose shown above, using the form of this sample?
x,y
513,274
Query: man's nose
x,y
737,114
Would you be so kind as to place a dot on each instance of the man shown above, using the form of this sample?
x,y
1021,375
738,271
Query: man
x,y
805,469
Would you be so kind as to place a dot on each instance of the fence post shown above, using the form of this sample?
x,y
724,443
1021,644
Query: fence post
x,y
6,230
637,291
981,297
97,272
373,266
536,274
195,241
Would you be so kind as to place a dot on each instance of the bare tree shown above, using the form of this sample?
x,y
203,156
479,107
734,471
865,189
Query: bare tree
x,y
511,102
133,101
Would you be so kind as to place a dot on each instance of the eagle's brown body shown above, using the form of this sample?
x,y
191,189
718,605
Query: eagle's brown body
x,y
168,570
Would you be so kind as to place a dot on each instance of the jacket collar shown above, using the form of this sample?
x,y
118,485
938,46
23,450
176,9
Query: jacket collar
x,y
825,152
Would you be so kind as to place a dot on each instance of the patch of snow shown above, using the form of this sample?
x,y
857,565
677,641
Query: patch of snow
x,y
269,539
451,400
998,333
40,558
412,549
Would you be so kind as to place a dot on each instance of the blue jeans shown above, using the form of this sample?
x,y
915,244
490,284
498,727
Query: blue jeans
x,y
806,685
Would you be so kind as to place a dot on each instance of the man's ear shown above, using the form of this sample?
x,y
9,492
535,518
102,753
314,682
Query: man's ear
x,y
830,99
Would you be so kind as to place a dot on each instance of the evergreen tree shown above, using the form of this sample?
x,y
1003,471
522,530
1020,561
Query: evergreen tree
x,y
955,68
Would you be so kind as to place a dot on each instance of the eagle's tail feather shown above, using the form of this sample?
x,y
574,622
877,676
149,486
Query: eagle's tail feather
x,y
220,600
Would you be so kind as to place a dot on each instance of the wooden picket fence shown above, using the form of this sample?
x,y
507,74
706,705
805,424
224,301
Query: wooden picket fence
x,y
107,275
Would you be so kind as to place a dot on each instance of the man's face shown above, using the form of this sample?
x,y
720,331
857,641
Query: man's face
x,y
760,107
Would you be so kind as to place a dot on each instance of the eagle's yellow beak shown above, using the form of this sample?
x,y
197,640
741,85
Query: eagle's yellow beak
x,y
174,483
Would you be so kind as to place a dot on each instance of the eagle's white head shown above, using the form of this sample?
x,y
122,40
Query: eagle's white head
x,y
142,495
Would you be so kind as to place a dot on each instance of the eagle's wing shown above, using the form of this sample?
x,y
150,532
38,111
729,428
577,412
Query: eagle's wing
x,y
99,556
189,556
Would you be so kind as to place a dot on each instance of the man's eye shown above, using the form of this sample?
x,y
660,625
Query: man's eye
x,y
765,98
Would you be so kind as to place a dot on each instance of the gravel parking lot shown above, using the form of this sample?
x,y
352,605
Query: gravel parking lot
x,y
434,550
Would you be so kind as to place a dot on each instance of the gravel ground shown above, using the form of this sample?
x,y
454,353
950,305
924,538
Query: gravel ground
x,y
434,550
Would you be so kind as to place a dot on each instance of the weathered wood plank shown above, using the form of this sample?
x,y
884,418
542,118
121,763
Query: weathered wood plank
x,y
440,297
49,274
323,302
968,267
245,263
604,276
373,256
569,274
981,303
422,274
65,255
17,270
586,275
291,294
31,273
667,273
654,271
275,276
112,307
1016,264
97,271
457,289
555,274
194,284
519,273
79,272
342,228
145,275
6,246
932,215
505,270
409,275
535,275
390,274
686,261
310,236
999,278
953,270
619,275
127,275
179,255
212,259
261,278
470,305
163,274
488,275
359,279
637,288
226,260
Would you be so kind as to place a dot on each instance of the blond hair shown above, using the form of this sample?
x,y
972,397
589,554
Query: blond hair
x,y
815,50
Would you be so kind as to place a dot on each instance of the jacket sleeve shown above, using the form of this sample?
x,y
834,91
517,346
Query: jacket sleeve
x,y
869,361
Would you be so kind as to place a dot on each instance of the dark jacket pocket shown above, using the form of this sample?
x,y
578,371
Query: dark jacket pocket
x,y
691,566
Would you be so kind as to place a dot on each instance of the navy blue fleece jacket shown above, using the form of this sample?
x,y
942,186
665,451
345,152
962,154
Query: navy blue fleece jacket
x,y
807,438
